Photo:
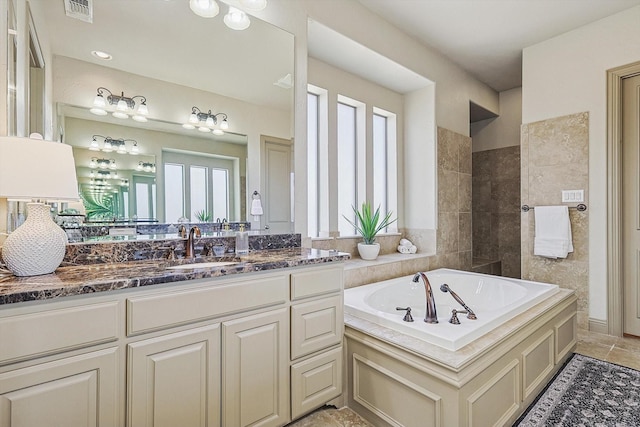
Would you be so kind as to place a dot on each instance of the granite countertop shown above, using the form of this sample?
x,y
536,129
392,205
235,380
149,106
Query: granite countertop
x,y
92,278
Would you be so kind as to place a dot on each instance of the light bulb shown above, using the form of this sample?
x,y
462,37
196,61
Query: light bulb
x,y
92,174
112,164
99,101
209,121
122,149
115,175
107,146
224,125
139,167
93,146
204,8
119,115
122,105
236,19
142,109
193,118
253,4
134,149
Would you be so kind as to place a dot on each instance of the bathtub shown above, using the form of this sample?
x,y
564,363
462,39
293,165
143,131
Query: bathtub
x,y
494,299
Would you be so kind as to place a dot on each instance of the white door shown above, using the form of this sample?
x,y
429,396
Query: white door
x,y
277,178
631,203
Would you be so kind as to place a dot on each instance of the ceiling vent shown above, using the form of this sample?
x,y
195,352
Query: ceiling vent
x,y
79,9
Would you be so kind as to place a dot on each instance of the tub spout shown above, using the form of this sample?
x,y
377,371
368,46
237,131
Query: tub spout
x,y
470,314
430,310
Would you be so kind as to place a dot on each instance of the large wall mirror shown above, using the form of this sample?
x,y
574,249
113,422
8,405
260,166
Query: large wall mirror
x,y
162,52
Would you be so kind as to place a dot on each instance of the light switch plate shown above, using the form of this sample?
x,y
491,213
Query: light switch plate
x,y
572,196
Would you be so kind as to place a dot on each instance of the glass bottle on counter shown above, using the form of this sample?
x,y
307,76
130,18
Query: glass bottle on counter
x,y
242,241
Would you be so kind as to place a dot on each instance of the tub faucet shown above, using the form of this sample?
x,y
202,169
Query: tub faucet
x,y
189,247
430,313
470,314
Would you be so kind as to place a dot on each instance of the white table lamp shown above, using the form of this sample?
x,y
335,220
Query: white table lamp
x,y
36,171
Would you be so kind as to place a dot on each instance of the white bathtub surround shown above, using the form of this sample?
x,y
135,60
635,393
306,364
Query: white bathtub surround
x,y
490,381
494,301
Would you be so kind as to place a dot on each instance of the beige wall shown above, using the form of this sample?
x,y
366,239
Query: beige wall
x,y
501,131
567,75
555,155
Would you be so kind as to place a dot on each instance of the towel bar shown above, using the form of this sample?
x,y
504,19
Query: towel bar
x,y
581,207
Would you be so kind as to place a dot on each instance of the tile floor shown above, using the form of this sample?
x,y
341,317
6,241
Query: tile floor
x,y
622,351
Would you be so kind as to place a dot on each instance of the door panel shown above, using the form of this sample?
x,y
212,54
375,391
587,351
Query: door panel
x,y
631,203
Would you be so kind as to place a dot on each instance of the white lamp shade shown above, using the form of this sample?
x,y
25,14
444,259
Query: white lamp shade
x,y
32,169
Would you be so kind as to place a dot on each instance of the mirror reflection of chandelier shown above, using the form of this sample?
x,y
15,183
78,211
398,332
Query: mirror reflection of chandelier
x,y
146,167
118,145
100,174
123,106
206,121
102,163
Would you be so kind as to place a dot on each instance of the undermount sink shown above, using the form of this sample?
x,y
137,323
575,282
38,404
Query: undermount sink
x,y
202,265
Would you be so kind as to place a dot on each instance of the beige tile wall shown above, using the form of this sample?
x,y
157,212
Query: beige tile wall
x,y
555,157
496,208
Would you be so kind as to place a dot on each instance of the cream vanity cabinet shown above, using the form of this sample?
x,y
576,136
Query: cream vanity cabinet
x,y
248,350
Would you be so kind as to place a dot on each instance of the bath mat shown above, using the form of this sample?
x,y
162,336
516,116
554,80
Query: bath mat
x,y
587,392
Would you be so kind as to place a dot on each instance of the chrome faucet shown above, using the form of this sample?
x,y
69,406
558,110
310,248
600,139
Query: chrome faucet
x,y
430,315
189,247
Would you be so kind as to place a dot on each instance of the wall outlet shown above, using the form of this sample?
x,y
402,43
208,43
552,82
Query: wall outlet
x,y
572,196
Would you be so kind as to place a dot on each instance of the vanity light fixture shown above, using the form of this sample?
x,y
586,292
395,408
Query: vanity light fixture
x,y
206,121
204,8
124,182
102,163
236,19
112,144
146,167
124,106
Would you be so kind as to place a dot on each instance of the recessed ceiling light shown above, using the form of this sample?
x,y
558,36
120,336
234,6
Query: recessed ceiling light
x,y
101,55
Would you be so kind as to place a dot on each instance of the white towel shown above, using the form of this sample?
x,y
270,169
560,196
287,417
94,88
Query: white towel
x,y
406,243
403,249
552,232
256,207
413,249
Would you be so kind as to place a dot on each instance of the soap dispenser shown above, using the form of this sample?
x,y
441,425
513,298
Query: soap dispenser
x,y
242,241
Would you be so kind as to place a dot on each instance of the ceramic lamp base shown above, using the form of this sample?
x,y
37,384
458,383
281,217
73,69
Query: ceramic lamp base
x,y
37,246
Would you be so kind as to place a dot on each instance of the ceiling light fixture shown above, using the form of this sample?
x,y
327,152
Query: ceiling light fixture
x,y
111,144
204,8
205,122
102,163
236,19
253,5
105,56
124,106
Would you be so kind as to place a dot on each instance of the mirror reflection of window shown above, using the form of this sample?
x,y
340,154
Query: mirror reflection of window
x,y
36,82
12,65
220,178
145,189
199,211
173,192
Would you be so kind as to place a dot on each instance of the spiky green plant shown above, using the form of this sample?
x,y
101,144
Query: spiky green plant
x,y
369,223
203,216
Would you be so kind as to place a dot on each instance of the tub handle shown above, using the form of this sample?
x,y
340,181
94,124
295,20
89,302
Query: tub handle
x,y
454,316
407,317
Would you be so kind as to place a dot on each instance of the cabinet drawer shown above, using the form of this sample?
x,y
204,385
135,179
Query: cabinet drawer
x,y
53,331
315,381
316,325
316,282
186,306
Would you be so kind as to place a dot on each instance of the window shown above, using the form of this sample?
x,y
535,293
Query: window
x,y
347,169
173,192
313,137
358,164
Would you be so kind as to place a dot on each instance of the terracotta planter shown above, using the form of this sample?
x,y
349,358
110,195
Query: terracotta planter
x,y
369,252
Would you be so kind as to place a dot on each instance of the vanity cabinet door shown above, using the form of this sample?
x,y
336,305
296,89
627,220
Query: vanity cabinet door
x,y
174,380
255,374
78,391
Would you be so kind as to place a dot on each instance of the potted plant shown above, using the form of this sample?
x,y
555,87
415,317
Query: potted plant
x,y
369,224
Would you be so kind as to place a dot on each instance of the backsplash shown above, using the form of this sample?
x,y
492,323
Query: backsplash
x,y
132,250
